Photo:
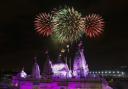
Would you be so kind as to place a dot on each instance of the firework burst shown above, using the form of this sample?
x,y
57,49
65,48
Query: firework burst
x,y
68,25
43,24
94,25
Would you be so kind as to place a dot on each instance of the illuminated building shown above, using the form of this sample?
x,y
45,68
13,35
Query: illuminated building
x,y
59,76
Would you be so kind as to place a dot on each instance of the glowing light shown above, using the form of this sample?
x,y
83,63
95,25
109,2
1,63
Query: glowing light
x,y
105,72
62,50
58,67
16,85
109,72
75,73
122,73
67,46
68,25
60,70
94,25
23,74
118,72
43,24
69,74
113,71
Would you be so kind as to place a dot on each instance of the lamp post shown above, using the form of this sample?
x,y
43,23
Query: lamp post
x,y
68,57
67,54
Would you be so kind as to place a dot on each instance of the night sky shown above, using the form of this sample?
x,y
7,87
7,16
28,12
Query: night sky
x,y
19,42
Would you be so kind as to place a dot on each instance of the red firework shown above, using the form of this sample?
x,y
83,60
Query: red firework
x,y
43,24
94,25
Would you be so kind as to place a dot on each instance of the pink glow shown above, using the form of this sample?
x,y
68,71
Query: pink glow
x,y
26,85
63,85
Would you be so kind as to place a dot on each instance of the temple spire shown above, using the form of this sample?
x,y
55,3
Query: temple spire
x,y
36,70
80,68
47,70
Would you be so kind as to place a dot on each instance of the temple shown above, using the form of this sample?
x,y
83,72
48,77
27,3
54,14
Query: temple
x,y
61,75
80,68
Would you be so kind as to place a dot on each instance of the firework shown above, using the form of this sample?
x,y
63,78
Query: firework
x,y
43,24
68,25
94,25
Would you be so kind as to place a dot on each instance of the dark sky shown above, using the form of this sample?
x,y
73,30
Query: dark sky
x,y
19,43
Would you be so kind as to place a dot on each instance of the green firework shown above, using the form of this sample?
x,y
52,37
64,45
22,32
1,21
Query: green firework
x,y
68,25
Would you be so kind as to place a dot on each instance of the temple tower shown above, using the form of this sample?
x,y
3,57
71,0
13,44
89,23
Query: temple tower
x,y
80,68
36,70
47,70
